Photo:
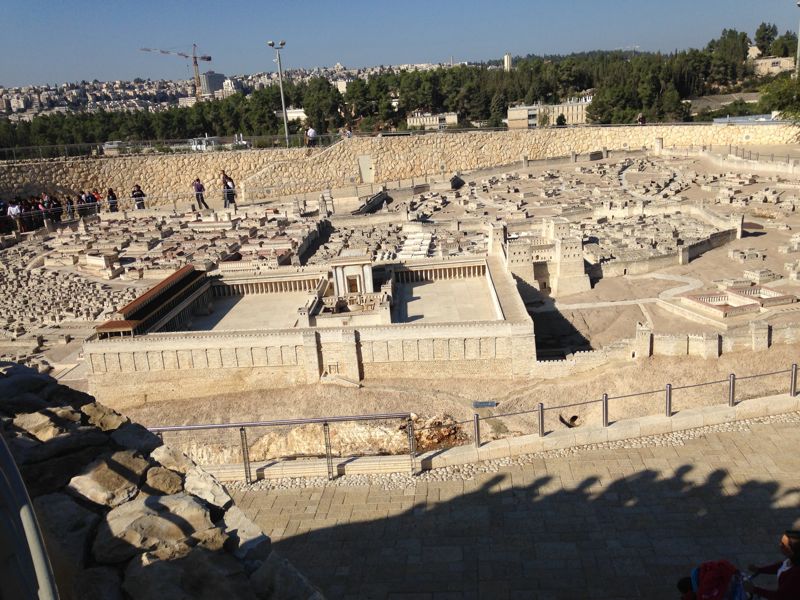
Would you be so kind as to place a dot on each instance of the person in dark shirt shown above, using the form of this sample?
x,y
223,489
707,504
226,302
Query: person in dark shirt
x,y
199,190
228,191
111,198
138,197
787,571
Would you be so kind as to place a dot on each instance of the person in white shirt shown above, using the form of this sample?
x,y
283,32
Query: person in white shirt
x,y
311,137
15,214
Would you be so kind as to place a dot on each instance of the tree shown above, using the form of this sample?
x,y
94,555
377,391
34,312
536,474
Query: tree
x,y
765,36
357,100
544,119
785,45
561,121
497,109
782,95
322,103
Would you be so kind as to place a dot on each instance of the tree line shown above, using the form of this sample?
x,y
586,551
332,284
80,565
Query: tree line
x,y
624,84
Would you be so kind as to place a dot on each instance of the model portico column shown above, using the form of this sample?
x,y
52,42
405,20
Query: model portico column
x,y
368,287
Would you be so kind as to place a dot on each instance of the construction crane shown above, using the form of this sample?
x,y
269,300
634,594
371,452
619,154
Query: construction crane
x,y
197,87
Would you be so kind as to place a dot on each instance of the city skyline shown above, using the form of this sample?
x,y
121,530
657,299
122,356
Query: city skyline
x,y
102,41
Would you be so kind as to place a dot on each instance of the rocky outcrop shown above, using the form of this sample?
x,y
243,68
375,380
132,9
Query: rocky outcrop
x,y
347,439
125,517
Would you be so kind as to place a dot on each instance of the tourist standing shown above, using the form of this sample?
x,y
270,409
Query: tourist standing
x,y
311,137
80,205
138,197
786,571
111,199
70,207
199,190
228,191
57,209
15,213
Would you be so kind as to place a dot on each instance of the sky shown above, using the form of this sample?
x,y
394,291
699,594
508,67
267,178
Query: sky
x,y
54,41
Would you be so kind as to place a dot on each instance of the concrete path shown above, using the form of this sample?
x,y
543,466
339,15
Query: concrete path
x,y
608,524
689,284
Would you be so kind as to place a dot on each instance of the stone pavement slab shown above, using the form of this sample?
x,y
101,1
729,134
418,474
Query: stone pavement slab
x,y
605,524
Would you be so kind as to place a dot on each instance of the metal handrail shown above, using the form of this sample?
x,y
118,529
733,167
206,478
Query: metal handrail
x,y
25,569
281,422
539,411
324,421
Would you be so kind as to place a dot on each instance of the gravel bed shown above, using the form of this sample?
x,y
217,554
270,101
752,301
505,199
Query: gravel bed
x,y
394,481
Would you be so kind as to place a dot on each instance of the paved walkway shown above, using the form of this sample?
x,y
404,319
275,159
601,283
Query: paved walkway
x,y
609,524
689,284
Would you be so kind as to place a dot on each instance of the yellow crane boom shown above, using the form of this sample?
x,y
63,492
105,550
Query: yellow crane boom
x,y
204,57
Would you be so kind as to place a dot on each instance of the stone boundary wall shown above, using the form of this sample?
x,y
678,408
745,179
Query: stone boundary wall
x,y
268,173
737,163
122,514
158,367
755,337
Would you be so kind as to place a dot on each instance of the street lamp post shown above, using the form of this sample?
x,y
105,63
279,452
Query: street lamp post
x,y
278,47
797,58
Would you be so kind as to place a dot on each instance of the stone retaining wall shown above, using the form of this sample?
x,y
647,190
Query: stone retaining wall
x,y
123,515
159,367
262,174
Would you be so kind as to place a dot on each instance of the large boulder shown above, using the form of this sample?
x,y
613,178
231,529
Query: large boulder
x,y
149,523
162,482
198,575
278,578
25,402
52,475
110,480
103,417
135,437
75,439
67,529
246,538
202,484
47,423
173,459
98,583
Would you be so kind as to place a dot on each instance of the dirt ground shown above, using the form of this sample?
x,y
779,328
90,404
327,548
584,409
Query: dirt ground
x,y
455,397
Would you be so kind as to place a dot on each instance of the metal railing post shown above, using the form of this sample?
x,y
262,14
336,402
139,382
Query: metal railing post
x,y
793,381
668,400
476,429
412,444
541,419
732,389
245,455
605,410
326,430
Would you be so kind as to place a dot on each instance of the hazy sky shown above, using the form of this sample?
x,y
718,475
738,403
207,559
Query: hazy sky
x,y
55,41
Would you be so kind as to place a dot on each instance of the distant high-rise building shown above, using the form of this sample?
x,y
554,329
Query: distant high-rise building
x,y
210,82
507,62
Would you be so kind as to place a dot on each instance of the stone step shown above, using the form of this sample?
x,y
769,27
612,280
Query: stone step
x,y
313,467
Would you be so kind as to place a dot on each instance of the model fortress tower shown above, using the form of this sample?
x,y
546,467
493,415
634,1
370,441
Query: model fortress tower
x,y
567,274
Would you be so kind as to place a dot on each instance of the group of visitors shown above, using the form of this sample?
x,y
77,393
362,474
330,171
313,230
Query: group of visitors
x,y
721,580
228,192
29,214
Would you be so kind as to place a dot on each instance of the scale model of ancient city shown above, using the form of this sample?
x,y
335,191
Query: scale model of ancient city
x,y
410,314
451,257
